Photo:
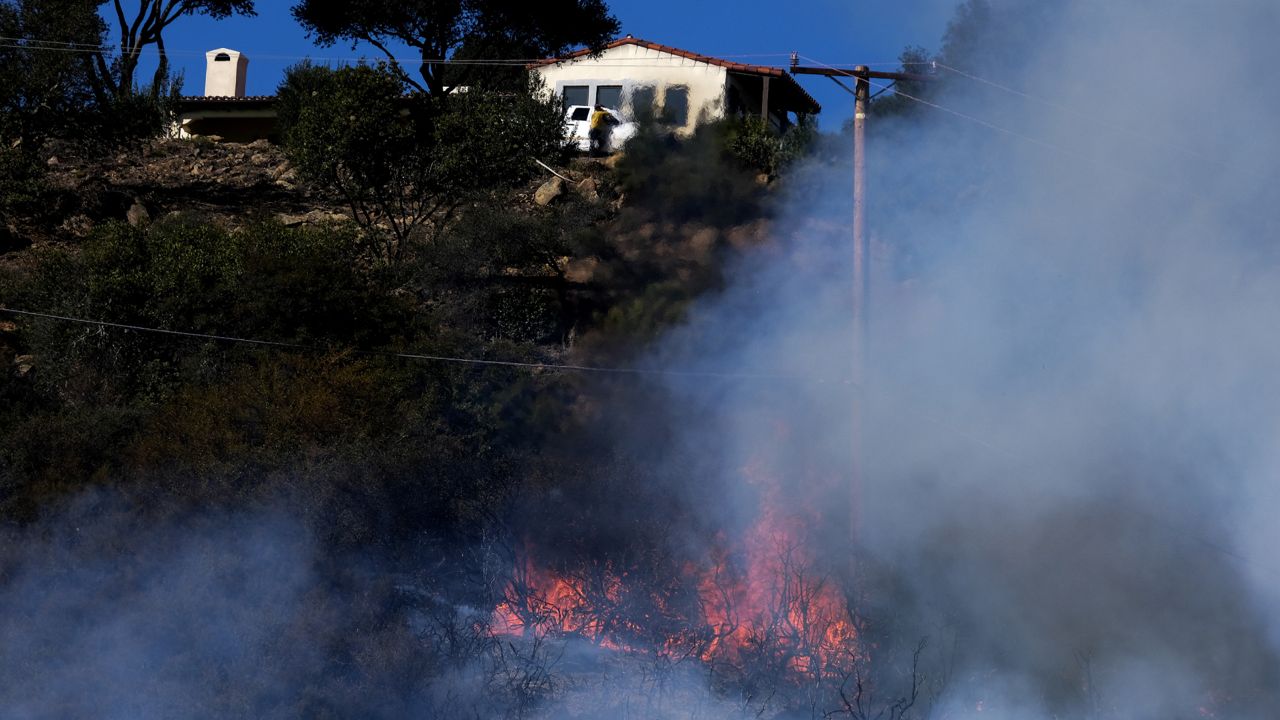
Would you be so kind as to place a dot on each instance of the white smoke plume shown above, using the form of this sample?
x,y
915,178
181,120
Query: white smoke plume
x,y
1070,471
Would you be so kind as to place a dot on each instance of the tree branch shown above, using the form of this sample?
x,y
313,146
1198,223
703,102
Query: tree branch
x,y
391,58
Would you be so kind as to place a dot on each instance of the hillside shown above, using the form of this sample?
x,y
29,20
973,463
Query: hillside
x,y
225,239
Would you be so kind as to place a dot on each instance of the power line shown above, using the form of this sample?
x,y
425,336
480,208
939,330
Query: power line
x,y
941,108
1074,154
32,44
477,62
1088,117
1026,96
55,43
17,43
474,362
1151,517
405,356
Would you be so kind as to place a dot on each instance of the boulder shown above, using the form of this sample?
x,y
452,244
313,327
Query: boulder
x,y
24,364
589,189
137,214
549,191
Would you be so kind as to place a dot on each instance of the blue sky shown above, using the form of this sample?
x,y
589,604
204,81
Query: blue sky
x,y
831,31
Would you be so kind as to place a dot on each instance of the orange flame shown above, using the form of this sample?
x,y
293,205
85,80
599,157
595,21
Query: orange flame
x,y
760,598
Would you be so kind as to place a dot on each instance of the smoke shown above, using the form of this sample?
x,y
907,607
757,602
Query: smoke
x,y
1066,483
1068,477
106,617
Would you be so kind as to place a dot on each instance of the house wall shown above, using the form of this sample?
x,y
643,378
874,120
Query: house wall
x,y
238,126
633,66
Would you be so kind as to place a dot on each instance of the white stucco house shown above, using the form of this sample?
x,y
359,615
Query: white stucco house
x,y
225,109
682,87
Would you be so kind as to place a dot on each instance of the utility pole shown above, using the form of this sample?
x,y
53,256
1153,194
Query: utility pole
x,y
862,77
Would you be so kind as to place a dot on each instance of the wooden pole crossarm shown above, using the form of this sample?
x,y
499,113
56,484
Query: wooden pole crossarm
x,y
867,74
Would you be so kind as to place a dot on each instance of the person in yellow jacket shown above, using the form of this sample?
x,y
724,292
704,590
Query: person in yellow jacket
x,y
601,124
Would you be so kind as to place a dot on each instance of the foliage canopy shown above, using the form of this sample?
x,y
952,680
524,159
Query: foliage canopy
x,y
408,162
457,29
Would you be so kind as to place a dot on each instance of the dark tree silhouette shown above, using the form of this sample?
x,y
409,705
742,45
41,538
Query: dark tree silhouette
x,y
475,29
142,26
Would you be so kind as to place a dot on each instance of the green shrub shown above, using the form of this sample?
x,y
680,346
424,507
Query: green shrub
x,y
124,122
406,164
757,146
693,180
22,189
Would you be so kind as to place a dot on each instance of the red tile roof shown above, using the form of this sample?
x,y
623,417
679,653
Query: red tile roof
x,y
245,102
805,98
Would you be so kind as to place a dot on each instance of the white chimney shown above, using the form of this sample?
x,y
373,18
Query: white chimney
x,y
227,70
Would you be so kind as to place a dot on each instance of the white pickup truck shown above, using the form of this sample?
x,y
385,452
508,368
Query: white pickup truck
x,y
577,123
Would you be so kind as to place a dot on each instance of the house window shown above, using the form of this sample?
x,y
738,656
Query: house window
x,y
609,96
576,95
643,102
222,57
675,106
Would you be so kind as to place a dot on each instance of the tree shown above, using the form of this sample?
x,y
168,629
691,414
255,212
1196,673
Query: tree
x,y
404,163
145,27
52,83
914,60
444,29
44,91
986,38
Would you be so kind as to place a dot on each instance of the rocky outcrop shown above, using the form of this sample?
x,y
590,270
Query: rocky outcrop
x,y
226,183
313,218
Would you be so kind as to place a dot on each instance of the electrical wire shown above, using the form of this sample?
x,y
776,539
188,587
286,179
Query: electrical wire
x,y
608,62
1088,117
941,108
15,43
1172,528
406,356
474,362
18,43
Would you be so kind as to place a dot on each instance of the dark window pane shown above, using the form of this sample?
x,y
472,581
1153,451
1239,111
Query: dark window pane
x,y
609,96
222,57
576,95
675,108
580,114
643,102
